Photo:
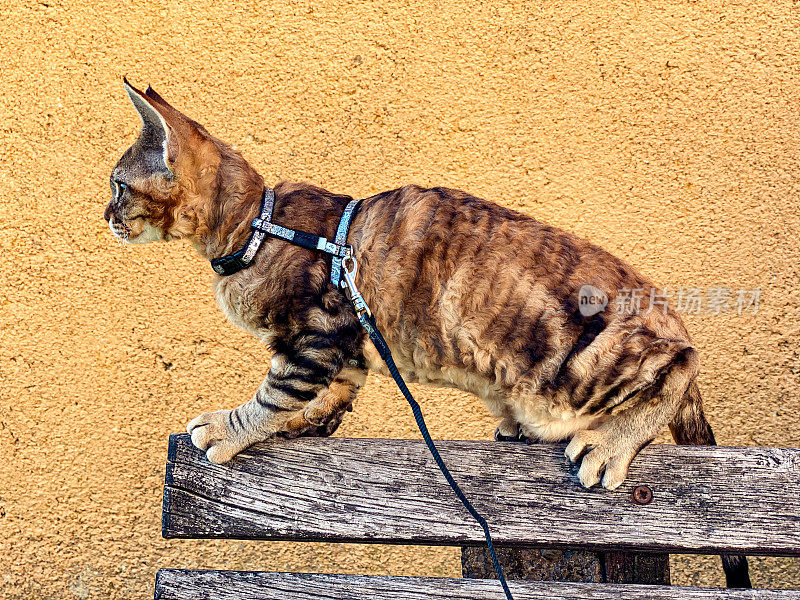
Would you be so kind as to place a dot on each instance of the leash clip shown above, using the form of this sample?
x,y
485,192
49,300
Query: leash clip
x,y
349,270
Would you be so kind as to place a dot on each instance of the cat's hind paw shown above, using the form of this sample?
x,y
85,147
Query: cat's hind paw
x,y
599,457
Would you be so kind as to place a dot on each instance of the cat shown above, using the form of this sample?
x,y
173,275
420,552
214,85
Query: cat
x,y
468,294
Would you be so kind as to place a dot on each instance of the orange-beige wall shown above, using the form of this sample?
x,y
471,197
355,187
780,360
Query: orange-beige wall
x,y
667,132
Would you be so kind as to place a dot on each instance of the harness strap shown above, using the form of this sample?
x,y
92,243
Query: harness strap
x,y
233,263
262,226
341,240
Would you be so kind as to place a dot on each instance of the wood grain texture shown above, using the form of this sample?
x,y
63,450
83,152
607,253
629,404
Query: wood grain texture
x,y
636,567
706,499
174,584
551,564
535,564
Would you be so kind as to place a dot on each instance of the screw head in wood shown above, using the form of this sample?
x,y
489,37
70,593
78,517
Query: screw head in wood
x,y
642,494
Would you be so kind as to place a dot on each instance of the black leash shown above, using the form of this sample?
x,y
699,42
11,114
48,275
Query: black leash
x,y
369,324
343,275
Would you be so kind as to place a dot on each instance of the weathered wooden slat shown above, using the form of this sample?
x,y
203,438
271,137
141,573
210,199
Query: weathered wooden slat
x,y
552,564
238,585
536,564
636,567
705,499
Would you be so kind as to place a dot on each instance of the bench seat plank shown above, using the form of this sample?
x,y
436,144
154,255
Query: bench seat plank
x,y
705,499
179,584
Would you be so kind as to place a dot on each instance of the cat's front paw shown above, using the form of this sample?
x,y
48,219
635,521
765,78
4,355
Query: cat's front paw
x,y
299,426
599,456
216,433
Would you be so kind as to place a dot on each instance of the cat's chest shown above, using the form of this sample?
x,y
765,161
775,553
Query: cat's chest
x,y
239,299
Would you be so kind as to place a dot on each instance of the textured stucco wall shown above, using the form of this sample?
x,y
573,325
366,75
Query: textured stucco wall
x,y
668,134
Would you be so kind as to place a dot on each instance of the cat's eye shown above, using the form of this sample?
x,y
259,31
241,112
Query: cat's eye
x,y
119,188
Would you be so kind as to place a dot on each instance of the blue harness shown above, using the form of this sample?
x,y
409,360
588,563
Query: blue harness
x,y
262,226
343,274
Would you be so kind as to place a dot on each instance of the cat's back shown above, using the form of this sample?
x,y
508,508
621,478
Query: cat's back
x,y
463,282
429,237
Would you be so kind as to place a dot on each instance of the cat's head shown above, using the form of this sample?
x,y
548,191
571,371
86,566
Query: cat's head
x,y
166,178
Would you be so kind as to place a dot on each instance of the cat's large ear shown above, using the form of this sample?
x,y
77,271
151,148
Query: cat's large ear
x,y
153,95
158,138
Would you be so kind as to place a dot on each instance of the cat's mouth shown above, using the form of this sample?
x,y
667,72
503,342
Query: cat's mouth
x,y
137,230
119,229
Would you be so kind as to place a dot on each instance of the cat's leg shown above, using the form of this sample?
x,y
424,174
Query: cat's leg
x,y
225,433
278,406
510,430
323,415
609,449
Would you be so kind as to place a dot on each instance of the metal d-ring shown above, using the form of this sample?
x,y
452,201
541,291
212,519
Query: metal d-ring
x,y
347,261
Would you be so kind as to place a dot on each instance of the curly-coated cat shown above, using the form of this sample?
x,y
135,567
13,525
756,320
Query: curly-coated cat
x,y
467,293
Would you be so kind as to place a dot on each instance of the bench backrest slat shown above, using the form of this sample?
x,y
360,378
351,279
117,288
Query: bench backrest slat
x,y
705,499
174,584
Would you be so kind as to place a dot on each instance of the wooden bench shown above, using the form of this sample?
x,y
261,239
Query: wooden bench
x,y
705,500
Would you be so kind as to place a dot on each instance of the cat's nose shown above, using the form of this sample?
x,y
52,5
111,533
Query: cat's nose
x,y
107,213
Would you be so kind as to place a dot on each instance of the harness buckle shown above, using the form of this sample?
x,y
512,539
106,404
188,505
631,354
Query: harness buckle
x,y
325,245
228,265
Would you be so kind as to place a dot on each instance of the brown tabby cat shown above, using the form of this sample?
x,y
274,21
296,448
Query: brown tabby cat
x,y
468,294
